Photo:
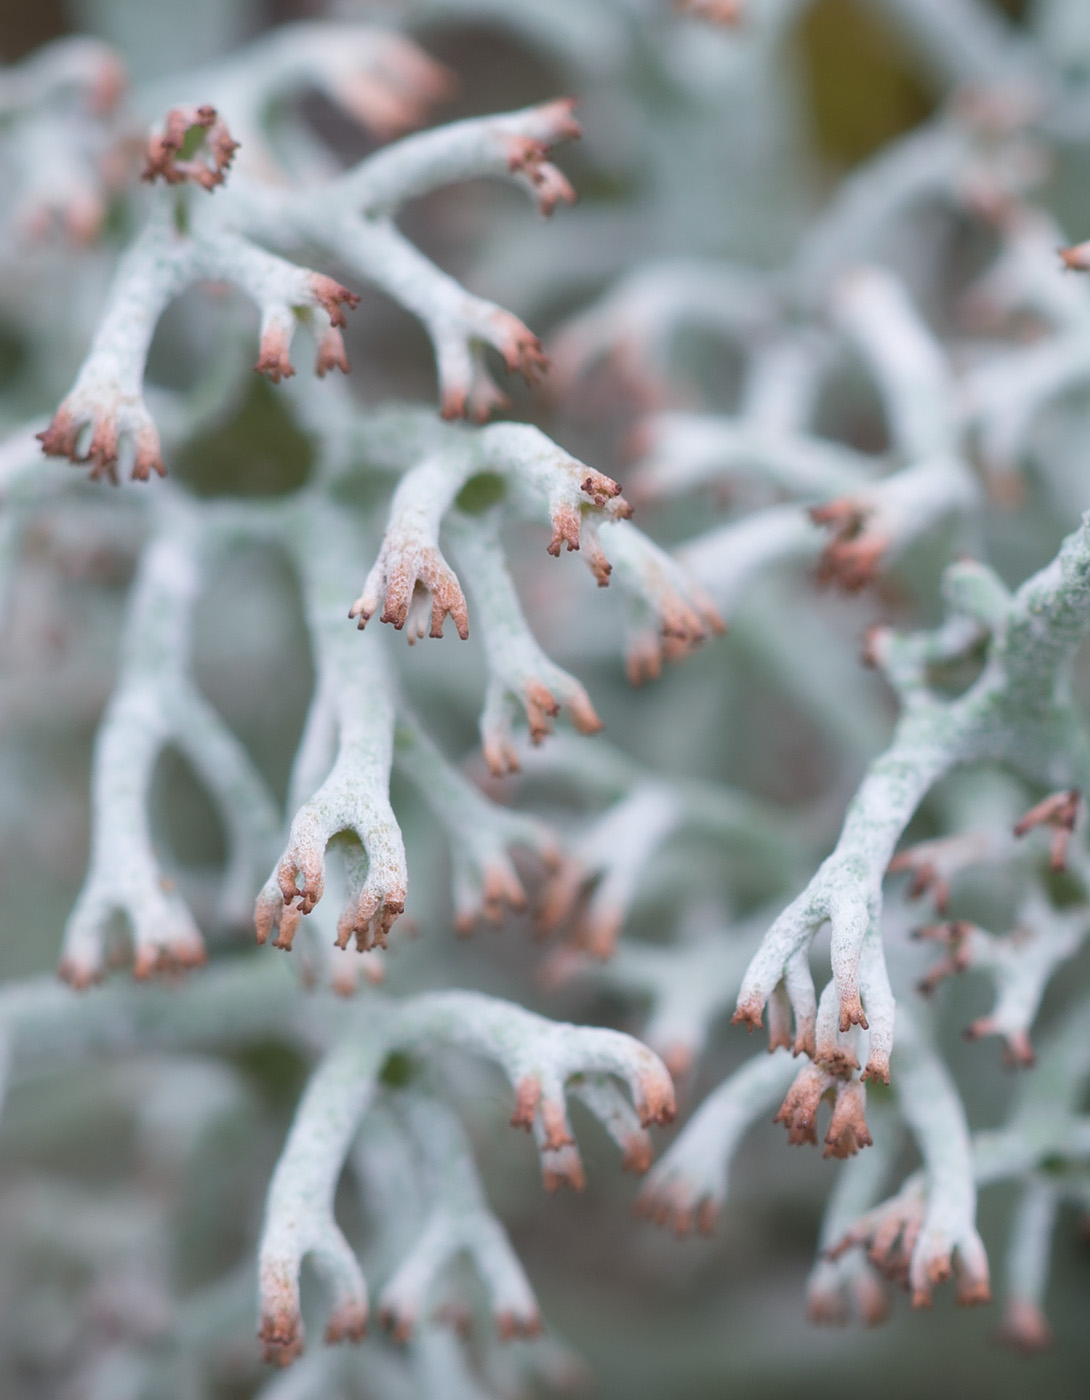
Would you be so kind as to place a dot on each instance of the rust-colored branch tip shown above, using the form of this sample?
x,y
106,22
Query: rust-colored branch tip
x,y
510,1326
527,1098
1025,1327
164,151
848,1131
555,1122
851,559
638,1153
348,1323
281,1337
1075,258
655,1098
749,1014
729,13
563,1168
1060,811
798,1112
332,298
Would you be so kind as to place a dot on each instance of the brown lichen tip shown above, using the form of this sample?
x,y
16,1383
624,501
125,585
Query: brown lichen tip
x,y
510,1325
566,529
925,877
281,1337
1075,258
726,12
347,1323
852,1013
79,974
273,359
109,424
1060,811
954,934
521,350
563,1167
1025,1327
549,184
331,353
1018,1052
398,1322
403,582
164,149
972,1291
599,932
826,1307
678,1057
674,1204
851,558
848,1131
871,1301
838,1060
655,1101
749,1014
643,659
638,1153
527,1098
554,1120
332,298
798,1112
560,114
500,892
176,956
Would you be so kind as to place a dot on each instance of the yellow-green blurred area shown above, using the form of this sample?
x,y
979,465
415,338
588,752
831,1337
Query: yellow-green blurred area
x,y
861,91
861,88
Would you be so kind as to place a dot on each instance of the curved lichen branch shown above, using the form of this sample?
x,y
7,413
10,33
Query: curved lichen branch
x,y
410,568
1020,963
613,856
357,692
482,834
299,1221
873,522
104,414
519,461
520,675
457,1222
104,419
1025,1325
156,704
502,145
63,140
353,219
669,613
1018,711
541,1059
689,1185
927,1233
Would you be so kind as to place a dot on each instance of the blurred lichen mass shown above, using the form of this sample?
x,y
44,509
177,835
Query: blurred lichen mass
x,y
702,391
